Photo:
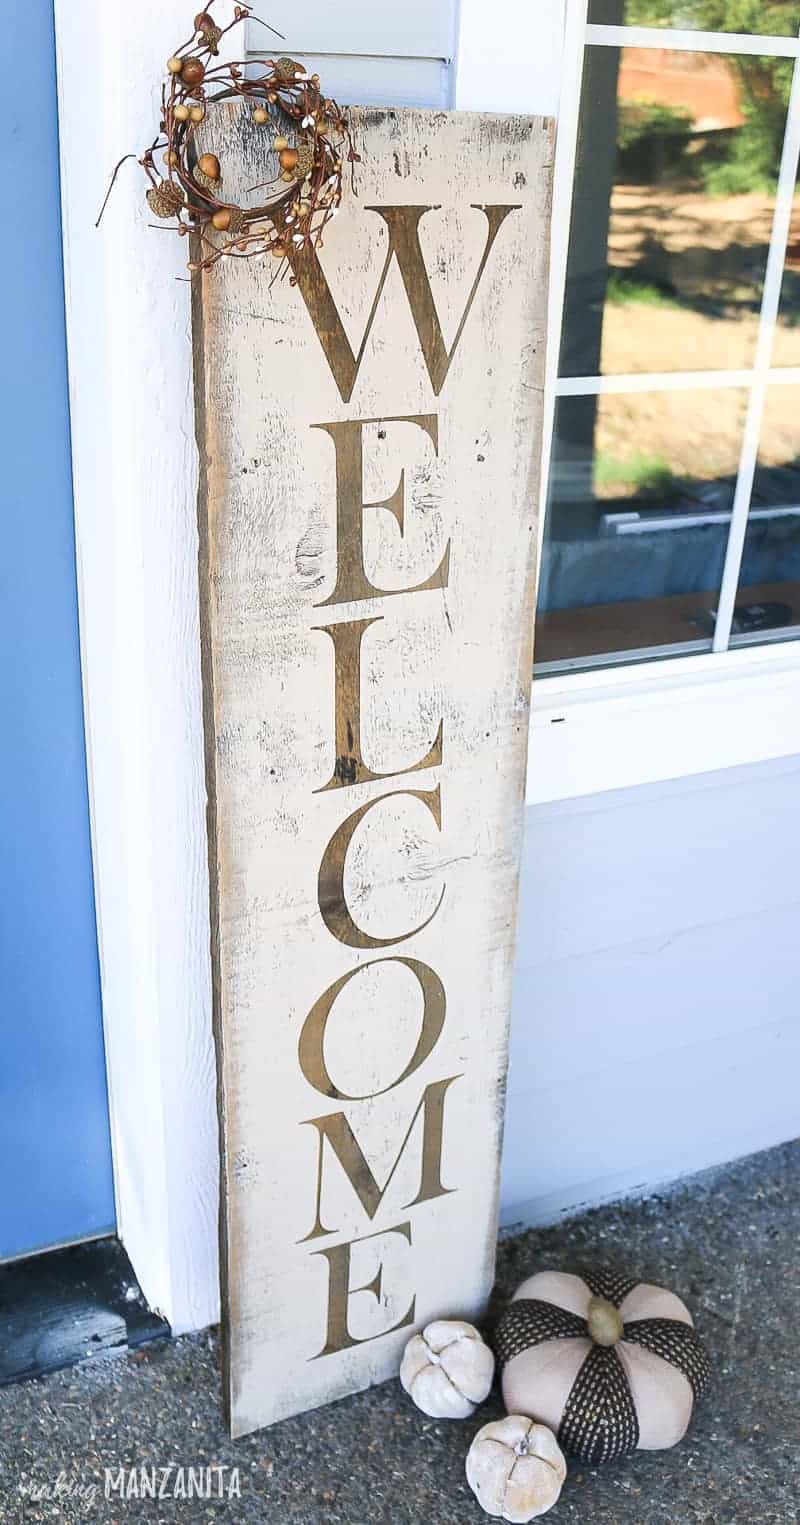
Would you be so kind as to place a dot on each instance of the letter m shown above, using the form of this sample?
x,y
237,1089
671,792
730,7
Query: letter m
x,y
341,1139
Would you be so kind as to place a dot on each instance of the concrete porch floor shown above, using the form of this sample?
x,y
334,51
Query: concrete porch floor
x,y
728,1241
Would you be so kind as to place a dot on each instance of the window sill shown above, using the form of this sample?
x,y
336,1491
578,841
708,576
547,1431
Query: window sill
x,y
602,730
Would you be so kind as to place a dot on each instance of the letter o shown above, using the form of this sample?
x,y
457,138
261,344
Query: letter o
x,y
311,1047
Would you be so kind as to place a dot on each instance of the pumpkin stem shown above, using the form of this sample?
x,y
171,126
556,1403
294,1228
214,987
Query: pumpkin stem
x,y
605,1322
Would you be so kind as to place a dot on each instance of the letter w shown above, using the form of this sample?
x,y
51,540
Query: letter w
x,y
403,225
336,1129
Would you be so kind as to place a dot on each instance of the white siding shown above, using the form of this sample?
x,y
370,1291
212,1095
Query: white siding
x,y
656,1021
404,29
376,55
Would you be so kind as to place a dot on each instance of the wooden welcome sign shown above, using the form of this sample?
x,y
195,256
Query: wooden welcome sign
x,y
370,441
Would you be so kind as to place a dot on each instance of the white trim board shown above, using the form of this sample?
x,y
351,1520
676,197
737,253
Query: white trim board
x,y
603,730
134,465
509,57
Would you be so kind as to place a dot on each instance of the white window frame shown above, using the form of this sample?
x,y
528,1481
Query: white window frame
x,y
613,751
134,463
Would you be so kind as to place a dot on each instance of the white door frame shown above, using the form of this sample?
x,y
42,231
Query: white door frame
x,y
134,483
134,462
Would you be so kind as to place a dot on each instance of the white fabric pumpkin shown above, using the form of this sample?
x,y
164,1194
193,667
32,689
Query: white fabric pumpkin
x,y
515,1469
612,1365
448,1369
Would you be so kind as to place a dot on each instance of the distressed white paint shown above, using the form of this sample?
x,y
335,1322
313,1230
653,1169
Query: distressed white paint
x,y
460,650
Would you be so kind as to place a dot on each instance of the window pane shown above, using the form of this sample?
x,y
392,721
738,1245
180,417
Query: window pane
x,y
781,18
768,601
786,348
641,489
673,201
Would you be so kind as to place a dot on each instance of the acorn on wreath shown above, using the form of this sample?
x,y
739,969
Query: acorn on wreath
x,y
166,199
610,1364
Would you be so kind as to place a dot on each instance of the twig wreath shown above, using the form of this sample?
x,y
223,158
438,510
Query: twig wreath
x,y
311,139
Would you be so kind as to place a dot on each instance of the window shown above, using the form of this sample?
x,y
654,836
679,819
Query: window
x,y
673,516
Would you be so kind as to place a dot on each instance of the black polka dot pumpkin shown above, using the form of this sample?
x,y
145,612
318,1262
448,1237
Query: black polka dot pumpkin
x,y
611,1365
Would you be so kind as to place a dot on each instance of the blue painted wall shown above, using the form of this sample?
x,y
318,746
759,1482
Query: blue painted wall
x,y
55,1156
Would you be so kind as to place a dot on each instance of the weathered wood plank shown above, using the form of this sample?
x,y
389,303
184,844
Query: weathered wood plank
x,y
367,541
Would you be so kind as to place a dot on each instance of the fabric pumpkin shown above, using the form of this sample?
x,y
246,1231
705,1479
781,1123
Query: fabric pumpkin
x,y
610,1364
